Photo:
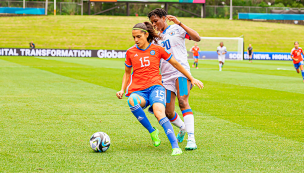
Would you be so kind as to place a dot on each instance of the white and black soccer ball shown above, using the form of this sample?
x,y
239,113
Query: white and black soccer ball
x,y
100,142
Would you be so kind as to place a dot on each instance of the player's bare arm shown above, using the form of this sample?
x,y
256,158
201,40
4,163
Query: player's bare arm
x,y
193,34
180,68
125,81
294,58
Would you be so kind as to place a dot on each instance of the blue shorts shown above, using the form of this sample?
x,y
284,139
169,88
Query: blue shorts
x,y
297,66
154,94
195,57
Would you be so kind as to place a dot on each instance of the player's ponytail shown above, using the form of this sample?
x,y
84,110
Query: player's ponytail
x,y
147,27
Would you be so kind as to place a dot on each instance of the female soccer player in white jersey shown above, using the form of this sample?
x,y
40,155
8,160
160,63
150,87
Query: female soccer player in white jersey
x,y
176,84
221,51
144,86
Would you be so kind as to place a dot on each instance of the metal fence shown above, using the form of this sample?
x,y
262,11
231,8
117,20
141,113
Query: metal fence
x,y
140,9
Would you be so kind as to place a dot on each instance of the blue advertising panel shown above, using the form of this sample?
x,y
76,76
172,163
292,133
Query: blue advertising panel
x,y
19,10
269,56
266,16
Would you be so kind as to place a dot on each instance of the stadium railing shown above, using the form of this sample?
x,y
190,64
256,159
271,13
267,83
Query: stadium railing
x,y
140,9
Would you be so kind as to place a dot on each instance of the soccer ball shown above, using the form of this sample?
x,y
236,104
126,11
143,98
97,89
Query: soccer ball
x,y
100,142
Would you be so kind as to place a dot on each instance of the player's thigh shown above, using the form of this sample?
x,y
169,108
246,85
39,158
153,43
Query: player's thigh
x,y
301,65
183,87
296,66
137,98
159,110
158,102
170,104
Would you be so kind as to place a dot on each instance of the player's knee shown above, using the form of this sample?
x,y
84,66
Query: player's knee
x,y
183,103
170,114
133,100
130,101
158,112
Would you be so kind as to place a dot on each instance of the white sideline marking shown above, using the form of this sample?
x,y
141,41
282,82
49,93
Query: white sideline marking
x,y
283,69
41,58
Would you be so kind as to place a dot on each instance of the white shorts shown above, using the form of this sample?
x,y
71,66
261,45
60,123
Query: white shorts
x,y
169,81
221,58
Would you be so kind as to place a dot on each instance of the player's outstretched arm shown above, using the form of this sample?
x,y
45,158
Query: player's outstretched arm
x,y
180,68
193,34
125,82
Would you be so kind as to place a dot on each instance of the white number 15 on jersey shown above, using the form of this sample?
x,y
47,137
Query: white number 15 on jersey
x,y
146,61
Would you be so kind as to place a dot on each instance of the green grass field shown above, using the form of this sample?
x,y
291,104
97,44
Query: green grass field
x,y
110,32
248,117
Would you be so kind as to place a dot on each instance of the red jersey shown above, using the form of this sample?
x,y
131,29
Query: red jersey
x,y
145,65
296,53
195,50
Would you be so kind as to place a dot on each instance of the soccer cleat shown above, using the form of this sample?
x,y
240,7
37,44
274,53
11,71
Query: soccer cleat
x,y
192,65
191,145
180,136
176,151
155,138
196,67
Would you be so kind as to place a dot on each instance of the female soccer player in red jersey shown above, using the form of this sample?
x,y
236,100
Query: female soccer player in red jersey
x,y
144,86
195,50
176,84
296,55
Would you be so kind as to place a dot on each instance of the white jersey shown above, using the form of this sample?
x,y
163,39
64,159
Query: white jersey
x,y
221,50
173,40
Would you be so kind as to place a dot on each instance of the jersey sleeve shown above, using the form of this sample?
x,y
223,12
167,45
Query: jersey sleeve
x,y
183,33
225,49
165,54
128,62
291,53
187,36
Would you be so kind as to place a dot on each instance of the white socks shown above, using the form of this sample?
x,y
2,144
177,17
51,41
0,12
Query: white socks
x,y
189,122
177,122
